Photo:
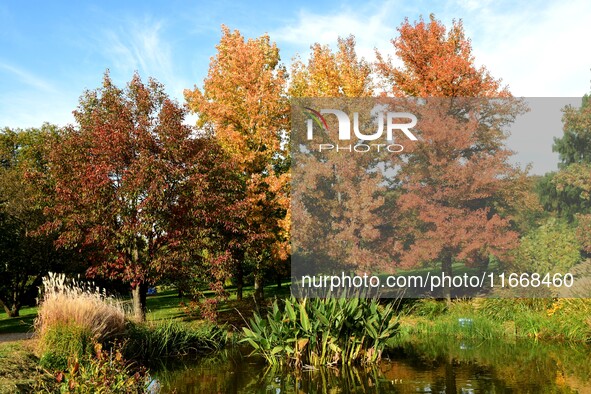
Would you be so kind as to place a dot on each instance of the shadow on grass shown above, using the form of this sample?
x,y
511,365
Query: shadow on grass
x,y
167,305
23,323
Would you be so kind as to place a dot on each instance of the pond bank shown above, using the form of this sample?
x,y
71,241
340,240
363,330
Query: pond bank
x,y
505,345
437,365
543,319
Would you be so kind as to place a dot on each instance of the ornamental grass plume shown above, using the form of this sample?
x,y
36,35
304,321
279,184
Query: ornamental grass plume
x,y
69,302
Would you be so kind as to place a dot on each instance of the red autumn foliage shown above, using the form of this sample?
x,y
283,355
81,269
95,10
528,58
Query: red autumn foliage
x,y
137,188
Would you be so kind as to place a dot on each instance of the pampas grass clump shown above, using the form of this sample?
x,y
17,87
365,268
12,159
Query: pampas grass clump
x,y
68,302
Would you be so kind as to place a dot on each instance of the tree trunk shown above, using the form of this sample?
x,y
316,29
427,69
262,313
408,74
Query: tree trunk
x,y
7,309
446,269
239,280
258,286
138,293
14,310
139,289
17,299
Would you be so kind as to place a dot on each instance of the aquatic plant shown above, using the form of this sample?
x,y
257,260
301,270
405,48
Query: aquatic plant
x,y
322,331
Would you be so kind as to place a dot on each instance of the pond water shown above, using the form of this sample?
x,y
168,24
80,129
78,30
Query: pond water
x,y
443,366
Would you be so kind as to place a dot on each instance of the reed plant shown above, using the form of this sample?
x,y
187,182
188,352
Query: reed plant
x,y
149,342
70,301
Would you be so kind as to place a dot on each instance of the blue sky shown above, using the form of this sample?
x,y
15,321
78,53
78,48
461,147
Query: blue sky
x,y
52,51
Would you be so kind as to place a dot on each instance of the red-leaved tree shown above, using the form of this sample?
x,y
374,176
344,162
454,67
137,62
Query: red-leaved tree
x,y
138,189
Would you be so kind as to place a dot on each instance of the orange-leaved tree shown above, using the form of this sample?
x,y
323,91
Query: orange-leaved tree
x,y
336,197
436,63
243,103
457,187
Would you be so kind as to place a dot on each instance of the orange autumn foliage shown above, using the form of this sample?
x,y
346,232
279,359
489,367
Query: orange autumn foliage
x,y
243,104
437,63
457,185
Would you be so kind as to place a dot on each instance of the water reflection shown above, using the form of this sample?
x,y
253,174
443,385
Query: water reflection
x,y
422,367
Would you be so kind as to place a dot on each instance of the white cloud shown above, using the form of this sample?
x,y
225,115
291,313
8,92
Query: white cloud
x,y
140,45
28,78
537,48
539,51
372,28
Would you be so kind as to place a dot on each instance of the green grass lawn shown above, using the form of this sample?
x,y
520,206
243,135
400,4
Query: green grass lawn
x,y
23,323
167,305
164,305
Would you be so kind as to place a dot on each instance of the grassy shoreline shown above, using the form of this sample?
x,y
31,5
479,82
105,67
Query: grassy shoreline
x,y
502,321
541,319
562,319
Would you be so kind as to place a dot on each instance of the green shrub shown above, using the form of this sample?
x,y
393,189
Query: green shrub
x,y
319,331
552,247
62,342
152,341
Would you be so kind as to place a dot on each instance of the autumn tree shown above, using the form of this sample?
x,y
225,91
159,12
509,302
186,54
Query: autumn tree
x,y
457,186
25,254
436,63
456,199
329,74
243,104
136,187
336,198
